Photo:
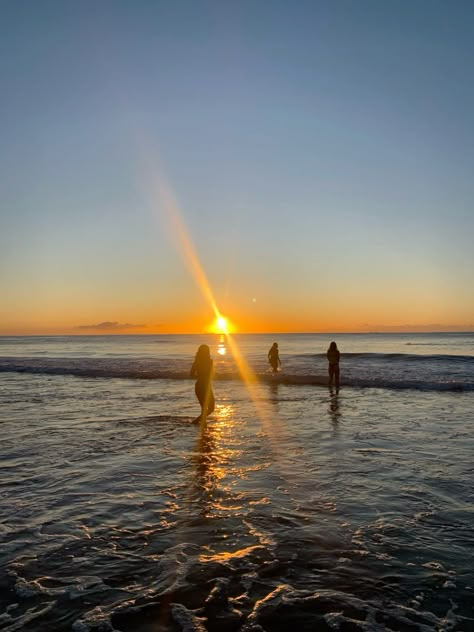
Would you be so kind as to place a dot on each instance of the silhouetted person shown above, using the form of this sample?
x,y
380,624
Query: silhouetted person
x,y
273,357
203,369
333,359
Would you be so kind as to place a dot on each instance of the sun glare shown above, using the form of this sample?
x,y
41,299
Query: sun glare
x,y
221,325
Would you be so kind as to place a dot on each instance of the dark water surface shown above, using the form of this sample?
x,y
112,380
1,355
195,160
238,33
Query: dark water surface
x,y
296,508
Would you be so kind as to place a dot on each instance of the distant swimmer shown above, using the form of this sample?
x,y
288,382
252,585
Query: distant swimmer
x,y
333,356
203,370
273,357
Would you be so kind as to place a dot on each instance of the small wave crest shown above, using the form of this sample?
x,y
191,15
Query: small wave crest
x,y
406,357
100,368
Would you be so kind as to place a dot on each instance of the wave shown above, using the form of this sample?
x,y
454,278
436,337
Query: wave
x,y
429,344
137,370
410,357
375,382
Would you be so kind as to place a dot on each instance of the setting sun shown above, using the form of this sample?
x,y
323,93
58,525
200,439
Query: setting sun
x,y
221,326
221,323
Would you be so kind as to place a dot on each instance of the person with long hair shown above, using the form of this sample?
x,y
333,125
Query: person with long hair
x,y
333,356
273,357
203,369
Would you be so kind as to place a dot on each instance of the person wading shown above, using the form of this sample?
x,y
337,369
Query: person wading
x,y
203,369
273,357
333,356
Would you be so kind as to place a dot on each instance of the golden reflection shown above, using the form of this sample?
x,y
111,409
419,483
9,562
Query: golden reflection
x,y
224,413
225,556
207,473
211,457
221,348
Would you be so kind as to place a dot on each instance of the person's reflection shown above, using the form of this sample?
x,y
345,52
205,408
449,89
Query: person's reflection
x,y
273,396
333,410
204,459
210,457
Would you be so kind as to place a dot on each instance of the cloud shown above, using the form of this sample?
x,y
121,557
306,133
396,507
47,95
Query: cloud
x,y
109,325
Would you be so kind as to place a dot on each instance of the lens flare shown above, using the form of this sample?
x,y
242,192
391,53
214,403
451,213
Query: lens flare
x,y
206,447
163,197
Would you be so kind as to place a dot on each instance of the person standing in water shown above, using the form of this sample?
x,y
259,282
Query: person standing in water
x,y
203,369
273,357
333,356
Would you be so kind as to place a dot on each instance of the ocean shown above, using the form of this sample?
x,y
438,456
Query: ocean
x,y
297,506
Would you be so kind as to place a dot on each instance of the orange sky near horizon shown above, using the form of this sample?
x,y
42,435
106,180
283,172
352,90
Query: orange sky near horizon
x,y
257,316
163,174
185,301
143,302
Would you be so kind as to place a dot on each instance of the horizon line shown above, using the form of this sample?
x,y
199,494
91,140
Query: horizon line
x,y
243,333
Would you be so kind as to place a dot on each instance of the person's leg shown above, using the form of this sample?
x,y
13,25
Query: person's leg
x,y
203,397
211,403
206,398
199,393
336,375
331,373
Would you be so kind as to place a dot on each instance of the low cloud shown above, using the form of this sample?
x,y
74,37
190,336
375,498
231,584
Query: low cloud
x,y
110,325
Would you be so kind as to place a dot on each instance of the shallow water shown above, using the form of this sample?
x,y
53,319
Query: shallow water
x,y
296,507
394,361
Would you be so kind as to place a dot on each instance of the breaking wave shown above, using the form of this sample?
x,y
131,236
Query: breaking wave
x,y
361,370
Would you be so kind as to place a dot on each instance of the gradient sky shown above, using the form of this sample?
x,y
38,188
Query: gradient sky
x,y
320,154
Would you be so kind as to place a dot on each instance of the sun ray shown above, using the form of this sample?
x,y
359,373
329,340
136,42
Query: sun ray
x,y
182,239
164,198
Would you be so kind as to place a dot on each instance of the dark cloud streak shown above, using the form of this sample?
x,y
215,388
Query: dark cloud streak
x,y
109,325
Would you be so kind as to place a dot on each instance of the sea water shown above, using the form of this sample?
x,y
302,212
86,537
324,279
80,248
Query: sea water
x,y
297,507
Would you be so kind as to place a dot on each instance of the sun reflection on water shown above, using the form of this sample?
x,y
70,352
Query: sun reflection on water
x,y
212,457
221,346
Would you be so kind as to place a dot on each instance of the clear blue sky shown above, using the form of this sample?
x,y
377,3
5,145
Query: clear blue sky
x,y
321,152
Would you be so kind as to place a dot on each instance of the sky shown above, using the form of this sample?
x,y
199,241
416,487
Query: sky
x,y
309,163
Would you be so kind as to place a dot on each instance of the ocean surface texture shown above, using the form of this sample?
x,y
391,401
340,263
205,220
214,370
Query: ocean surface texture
x,y
297,507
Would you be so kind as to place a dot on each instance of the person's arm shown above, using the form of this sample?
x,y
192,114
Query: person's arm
x,y
193,371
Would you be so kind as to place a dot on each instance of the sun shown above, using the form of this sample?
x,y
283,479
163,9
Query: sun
x,y
221,325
